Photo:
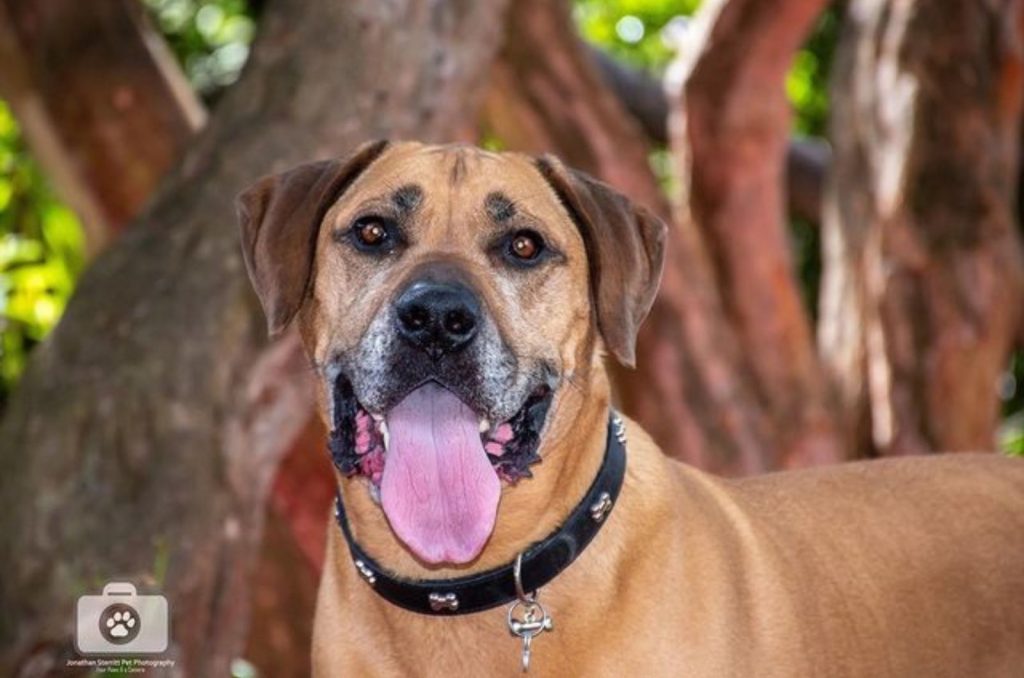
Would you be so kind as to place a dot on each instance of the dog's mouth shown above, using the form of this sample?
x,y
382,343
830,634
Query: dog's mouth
x,y
435,464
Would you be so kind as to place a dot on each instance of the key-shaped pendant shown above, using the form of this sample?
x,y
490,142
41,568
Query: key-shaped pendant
x,y
534,621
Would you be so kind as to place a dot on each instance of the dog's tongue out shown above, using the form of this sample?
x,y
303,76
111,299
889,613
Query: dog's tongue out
x,y
439,490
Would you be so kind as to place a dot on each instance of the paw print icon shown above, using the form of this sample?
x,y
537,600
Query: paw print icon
x,y
120,621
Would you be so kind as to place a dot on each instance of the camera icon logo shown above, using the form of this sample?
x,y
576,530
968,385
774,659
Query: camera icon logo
x,y
120,621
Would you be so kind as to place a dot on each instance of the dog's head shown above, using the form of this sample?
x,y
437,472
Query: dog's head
x,y
446,296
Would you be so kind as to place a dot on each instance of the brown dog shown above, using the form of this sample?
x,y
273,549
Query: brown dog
x,y
456,305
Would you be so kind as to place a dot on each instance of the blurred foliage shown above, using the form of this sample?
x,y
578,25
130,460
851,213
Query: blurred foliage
x,y
807,88
211,39
1011,438
807,84
1011,390
41,254
638,32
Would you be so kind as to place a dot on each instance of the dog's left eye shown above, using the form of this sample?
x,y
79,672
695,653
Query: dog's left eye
x,y
525,247
373,234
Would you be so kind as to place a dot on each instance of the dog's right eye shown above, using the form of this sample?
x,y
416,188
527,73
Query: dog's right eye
x,y
373,234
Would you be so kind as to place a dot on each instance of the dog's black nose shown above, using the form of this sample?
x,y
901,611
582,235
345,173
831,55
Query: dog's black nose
x,y
438,317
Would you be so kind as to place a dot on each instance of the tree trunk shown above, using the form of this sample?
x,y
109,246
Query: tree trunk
x,y
923,278
101,101
142,439
730,134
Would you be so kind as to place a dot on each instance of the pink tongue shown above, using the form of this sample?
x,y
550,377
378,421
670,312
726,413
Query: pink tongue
x,y
439,491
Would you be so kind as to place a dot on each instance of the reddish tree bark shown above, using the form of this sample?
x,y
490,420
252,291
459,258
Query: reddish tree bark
x,y
142,440
101,101
730,134
923,280
303,494
284,590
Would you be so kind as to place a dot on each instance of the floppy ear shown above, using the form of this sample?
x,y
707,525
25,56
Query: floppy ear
x,y
625,250
280,219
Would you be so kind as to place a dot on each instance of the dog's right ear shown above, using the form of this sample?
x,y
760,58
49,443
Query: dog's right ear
x,y
625,247
280,219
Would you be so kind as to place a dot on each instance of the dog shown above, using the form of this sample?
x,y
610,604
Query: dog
x,y
497,515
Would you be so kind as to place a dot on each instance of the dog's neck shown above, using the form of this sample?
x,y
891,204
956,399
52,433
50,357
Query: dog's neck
x,y
571,454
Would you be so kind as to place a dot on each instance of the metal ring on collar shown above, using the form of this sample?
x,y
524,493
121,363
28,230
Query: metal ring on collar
x,y
517,572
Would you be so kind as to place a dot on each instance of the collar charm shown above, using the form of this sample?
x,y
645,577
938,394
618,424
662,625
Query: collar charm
x,y
526,617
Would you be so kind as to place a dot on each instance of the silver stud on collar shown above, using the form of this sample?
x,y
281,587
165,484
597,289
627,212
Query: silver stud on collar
x,y
600,508
366,573
443,602
620,428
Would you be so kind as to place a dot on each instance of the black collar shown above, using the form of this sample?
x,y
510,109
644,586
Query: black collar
x,y
541,562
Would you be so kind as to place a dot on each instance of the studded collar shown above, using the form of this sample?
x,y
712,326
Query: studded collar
x,y
541,562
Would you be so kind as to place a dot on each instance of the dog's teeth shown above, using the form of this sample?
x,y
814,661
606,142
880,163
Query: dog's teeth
x,y
383,426
485,425
377,417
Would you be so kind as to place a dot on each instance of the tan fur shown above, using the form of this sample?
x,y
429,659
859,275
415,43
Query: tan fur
x,y
908,567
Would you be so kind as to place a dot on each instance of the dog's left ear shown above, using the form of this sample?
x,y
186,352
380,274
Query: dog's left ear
x,y
625,249
280,219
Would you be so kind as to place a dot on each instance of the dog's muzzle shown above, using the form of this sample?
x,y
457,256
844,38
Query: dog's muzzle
x,y
436,410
